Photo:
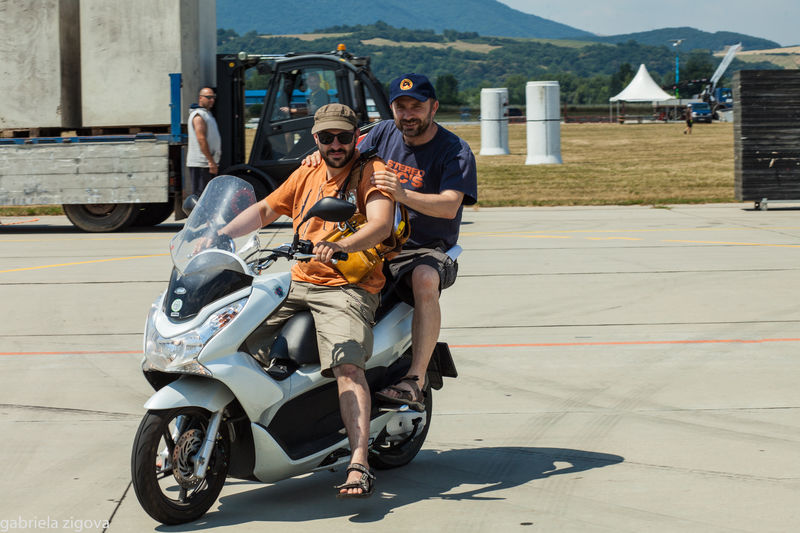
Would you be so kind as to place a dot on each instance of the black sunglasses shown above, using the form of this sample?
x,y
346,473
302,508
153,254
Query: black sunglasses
x,y
209,96
326,137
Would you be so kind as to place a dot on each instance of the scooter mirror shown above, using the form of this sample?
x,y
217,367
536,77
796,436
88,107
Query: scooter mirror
x,y
189,203
331,209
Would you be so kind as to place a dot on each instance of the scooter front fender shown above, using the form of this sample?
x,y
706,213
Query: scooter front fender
x,y
191,391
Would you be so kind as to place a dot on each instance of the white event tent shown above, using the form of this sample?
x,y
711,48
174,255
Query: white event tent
x,y
642,88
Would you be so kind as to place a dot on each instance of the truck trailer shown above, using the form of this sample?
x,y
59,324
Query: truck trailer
x,y
113,154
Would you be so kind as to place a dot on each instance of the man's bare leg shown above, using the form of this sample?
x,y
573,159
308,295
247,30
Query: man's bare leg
x,y
425,325
354,402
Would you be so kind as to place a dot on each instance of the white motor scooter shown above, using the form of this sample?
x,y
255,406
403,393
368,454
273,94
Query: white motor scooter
x,y
218,411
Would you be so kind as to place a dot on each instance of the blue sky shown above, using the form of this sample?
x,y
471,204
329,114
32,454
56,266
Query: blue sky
x,y
776,20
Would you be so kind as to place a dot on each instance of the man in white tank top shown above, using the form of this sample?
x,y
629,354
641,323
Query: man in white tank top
x,y
205,144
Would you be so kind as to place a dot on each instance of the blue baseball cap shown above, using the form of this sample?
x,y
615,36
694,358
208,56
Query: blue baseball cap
x,y
416,86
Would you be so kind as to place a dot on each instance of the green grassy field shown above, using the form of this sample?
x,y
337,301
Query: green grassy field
x,y
604,164
29,210
611,164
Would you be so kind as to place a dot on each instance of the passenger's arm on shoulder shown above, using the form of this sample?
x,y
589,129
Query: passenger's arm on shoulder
x,y
312,160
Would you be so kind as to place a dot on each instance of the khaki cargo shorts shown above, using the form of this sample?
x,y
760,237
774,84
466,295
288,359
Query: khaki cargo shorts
x,y
343,317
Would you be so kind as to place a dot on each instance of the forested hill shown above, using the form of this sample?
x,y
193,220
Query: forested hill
x,y
486,17
692,39
589,73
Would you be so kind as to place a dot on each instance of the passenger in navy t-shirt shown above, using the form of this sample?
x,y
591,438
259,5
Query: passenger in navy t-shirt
x,y
432,172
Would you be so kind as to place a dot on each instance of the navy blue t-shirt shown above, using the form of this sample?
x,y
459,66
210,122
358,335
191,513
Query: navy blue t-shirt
x,y
443,163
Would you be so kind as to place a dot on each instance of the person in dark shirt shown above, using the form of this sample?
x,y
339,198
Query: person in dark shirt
x,y
432,172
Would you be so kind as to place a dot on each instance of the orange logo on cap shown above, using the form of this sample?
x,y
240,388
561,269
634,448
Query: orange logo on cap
x,y
406,84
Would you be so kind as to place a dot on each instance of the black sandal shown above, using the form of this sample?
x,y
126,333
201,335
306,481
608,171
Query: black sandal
x,y
366,483
414,398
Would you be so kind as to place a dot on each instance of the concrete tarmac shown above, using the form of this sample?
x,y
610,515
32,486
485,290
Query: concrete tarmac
x,y
621,369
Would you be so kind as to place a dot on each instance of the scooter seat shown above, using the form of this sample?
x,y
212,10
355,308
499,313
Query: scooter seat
x,y
297,341
389,298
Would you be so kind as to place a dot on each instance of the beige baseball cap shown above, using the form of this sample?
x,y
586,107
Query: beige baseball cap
x,y
334,117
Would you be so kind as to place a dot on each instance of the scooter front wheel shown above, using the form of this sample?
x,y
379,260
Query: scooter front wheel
x,y
162,465
392,455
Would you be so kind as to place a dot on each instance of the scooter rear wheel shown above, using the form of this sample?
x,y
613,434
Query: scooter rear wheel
x,y
392,455
162,465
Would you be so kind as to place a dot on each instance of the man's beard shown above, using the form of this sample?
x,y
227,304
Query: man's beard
x,y
414,127
340,162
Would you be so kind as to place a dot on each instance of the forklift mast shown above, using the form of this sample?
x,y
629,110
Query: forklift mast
x,y
229,108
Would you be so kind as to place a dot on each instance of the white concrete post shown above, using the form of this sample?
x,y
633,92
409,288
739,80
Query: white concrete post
x,y
494,121
544,123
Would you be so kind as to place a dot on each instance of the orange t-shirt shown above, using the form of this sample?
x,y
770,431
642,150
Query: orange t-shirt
x,y
301,190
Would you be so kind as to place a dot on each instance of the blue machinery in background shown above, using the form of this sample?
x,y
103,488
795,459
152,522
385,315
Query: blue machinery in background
x,y
254,96
257,96
175,82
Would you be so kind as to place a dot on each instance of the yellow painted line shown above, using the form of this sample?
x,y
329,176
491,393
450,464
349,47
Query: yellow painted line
x,y
737,243
525,235
83,262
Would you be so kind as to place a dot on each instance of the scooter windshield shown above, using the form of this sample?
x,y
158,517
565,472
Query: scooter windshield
x,y
225,198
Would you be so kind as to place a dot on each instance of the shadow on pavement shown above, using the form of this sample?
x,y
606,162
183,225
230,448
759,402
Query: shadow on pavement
x,y
432,475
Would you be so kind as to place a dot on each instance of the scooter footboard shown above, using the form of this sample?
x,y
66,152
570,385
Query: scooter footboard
x,y
191,391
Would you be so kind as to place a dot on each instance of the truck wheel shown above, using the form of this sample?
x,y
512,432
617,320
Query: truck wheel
x,y
101,218
153,214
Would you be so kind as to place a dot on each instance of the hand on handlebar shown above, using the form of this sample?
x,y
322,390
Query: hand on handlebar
x,y
202,244
218,240
327,251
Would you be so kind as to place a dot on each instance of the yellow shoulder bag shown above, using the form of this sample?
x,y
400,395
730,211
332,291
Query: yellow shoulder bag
x,y
359,264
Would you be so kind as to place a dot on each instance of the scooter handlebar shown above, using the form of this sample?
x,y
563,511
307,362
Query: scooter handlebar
x,y
287,252
337,256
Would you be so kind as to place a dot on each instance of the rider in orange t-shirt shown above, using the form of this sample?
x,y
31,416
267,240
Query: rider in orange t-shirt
x,y
343,313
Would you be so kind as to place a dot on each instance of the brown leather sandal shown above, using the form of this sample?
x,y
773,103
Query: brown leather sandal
x,y
366,483
414,398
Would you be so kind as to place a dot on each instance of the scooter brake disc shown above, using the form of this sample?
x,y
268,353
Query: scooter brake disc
x,y
186,448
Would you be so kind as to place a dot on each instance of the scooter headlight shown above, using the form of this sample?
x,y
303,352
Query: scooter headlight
x,y
179,353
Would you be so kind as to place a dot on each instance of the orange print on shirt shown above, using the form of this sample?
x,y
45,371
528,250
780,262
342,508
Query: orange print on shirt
x,y
407,174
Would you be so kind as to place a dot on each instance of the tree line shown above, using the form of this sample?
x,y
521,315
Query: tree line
x,y
587,74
